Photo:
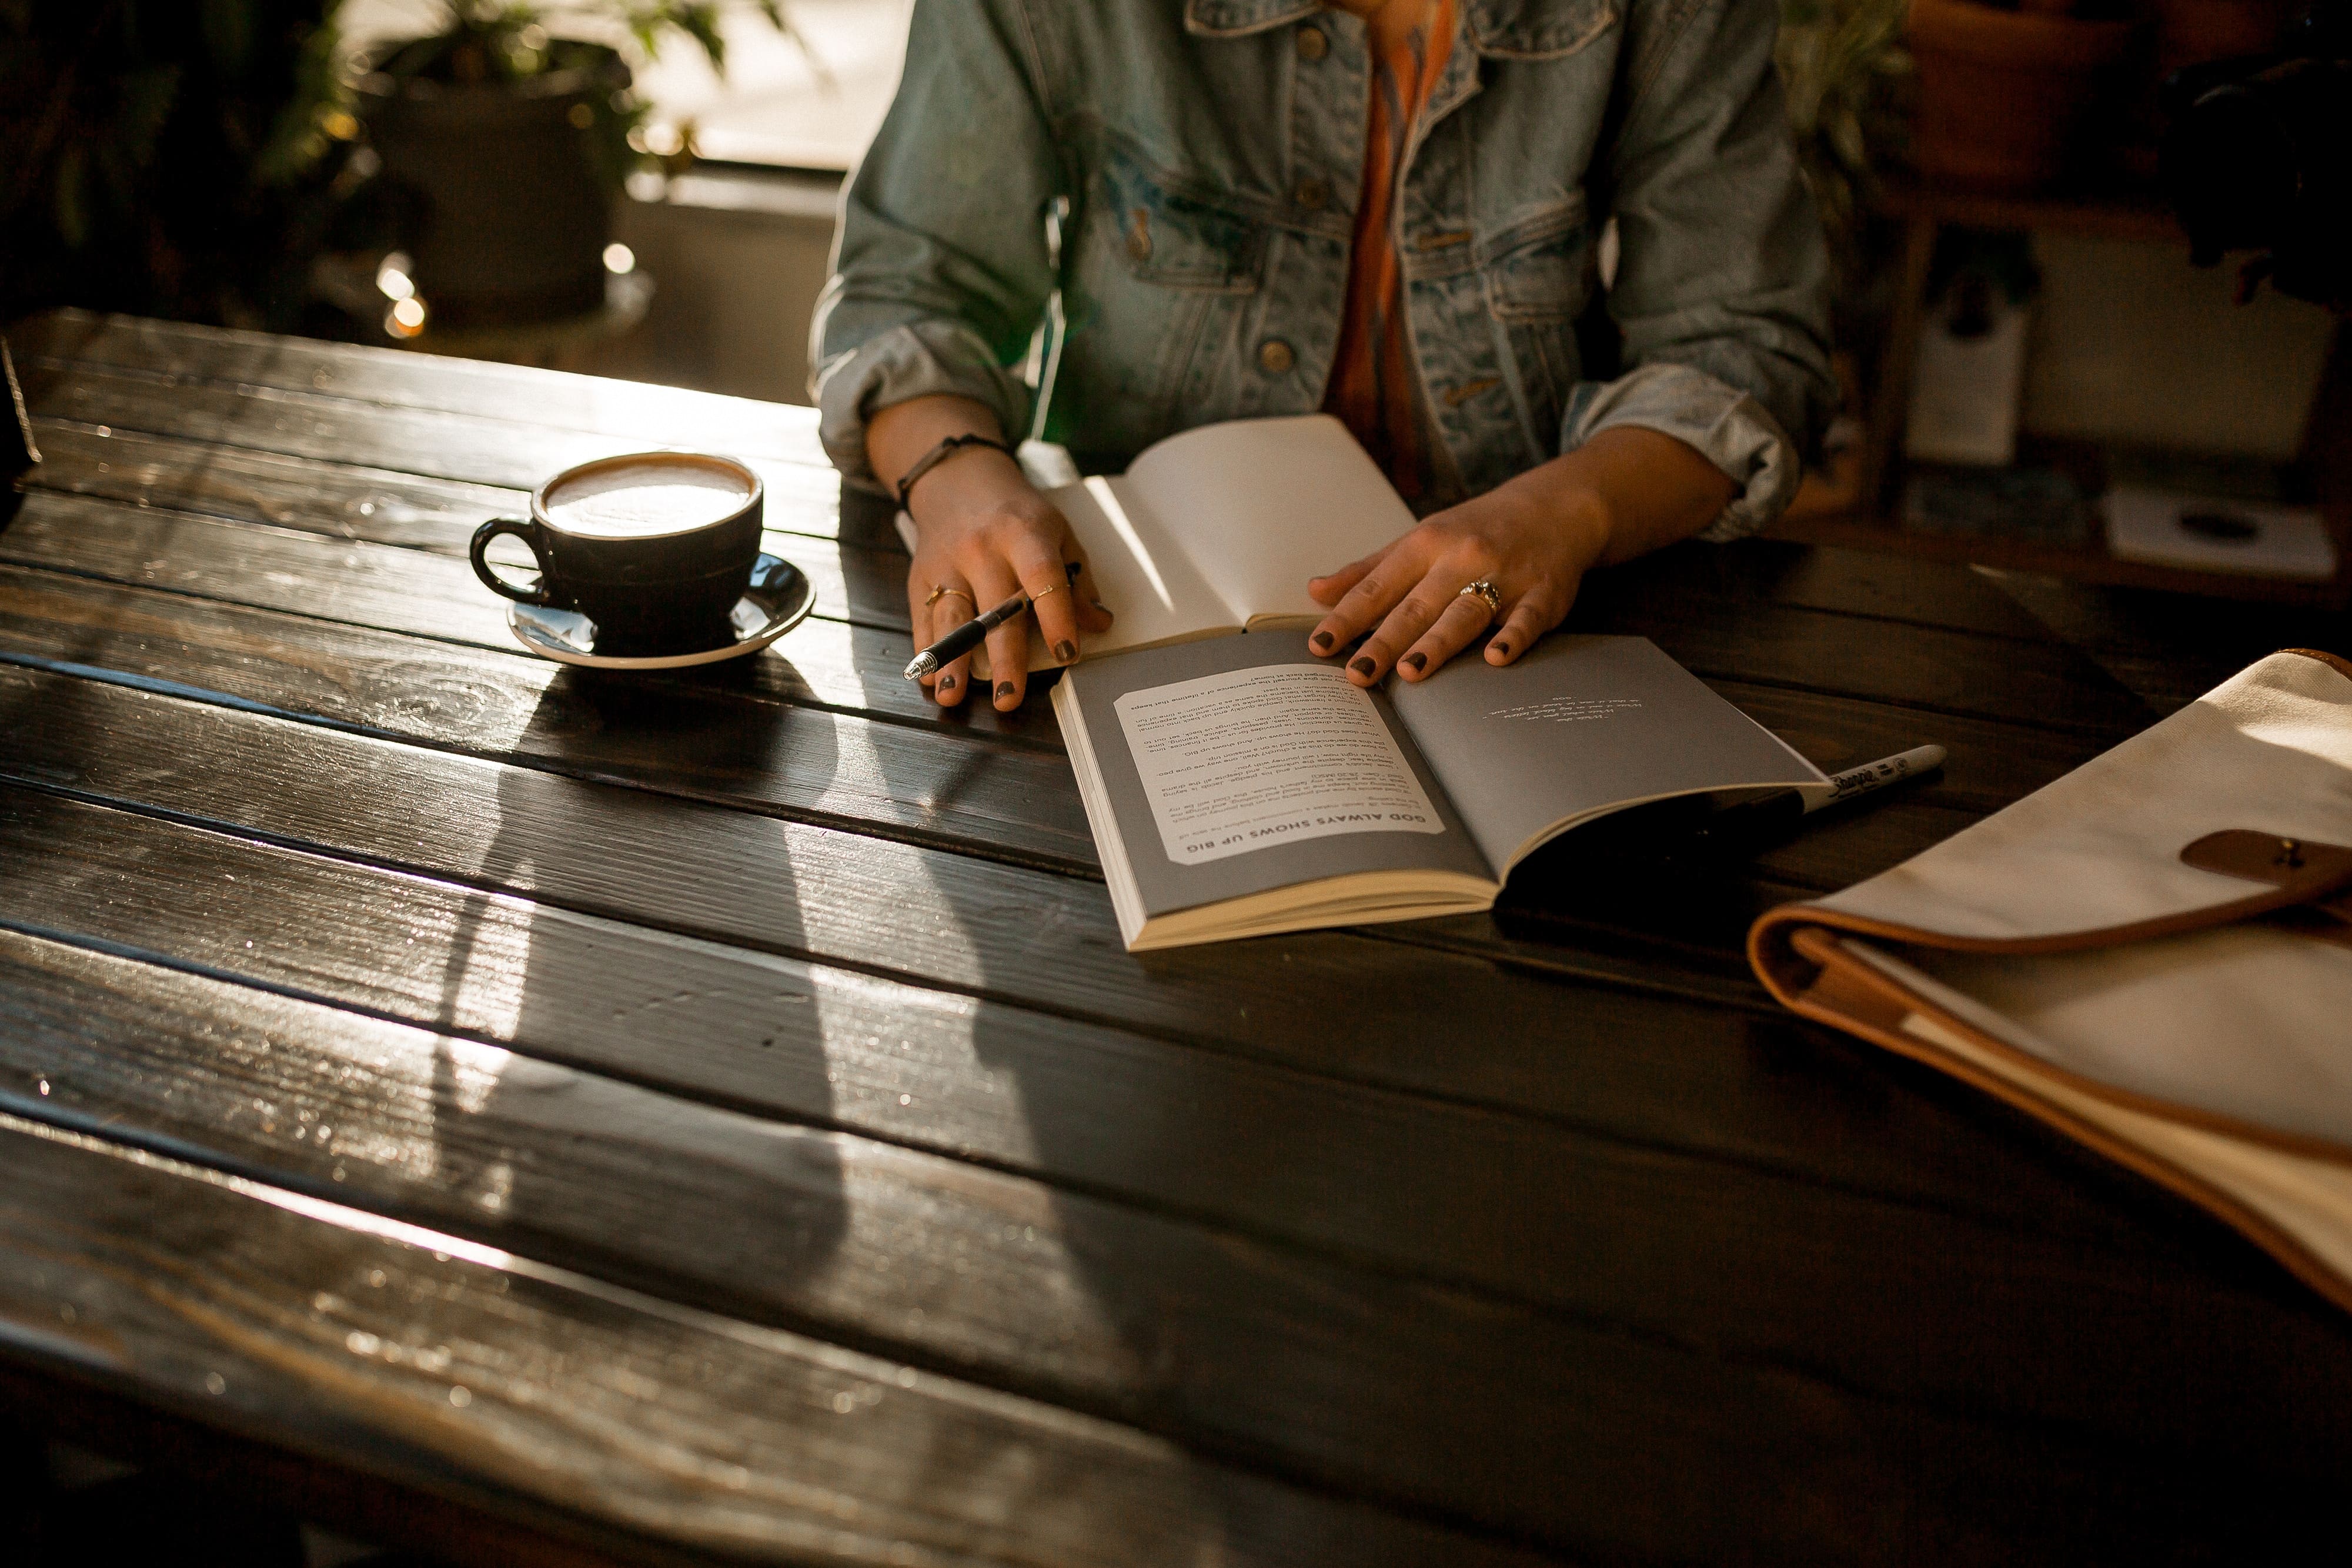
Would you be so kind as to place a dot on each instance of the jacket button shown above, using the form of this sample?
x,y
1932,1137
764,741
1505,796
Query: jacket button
x,y
1275,357
1311,194
1138,235
1312,44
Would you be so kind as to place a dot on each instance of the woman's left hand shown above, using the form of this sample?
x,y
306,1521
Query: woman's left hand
x,y
1626,491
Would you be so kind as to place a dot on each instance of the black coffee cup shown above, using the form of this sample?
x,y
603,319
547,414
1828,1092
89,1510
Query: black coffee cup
x,y
654,547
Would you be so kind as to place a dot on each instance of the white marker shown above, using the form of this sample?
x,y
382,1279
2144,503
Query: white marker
x,y
1871,776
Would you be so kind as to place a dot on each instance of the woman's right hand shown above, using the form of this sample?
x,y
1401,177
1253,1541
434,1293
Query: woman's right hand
x,y
983,535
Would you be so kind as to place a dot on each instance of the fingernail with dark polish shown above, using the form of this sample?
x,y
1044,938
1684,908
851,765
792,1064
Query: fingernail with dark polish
x,y
1504,649
1364,666
1322,641
947,682
1065,650
1416,661
1003,690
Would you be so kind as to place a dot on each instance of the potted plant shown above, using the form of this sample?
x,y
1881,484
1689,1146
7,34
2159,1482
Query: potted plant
x,y
169,159
1846,71
2007,90
509,138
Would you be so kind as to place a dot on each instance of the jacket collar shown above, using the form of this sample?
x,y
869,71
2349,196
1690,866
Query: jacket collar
x,y
1510,29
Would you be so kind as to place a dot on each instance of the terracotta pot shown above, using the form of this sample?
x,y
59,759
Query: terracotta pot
x,y
2190,31
2005,96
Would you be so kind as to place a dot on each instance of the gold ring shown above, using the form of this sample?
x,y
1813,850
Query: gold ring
x,y
1482,589
1042,593
942,591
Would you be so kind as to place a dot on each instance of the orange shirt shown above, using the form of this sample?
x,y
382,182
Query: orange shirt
x,y
1372,385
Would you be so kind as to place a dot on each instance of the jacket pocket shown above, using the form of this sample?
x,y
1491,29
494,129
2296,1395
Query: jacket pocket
x,y
1541,268
1174,233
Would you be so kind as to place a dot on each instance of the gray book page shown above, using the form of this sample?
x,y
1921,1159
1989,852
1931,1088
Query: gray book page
x,y
1243,764
1578,727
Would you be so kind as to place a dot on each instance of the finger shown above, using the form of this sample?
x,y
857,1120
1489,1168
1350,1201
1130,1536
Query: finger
x,y
1372,597
1403,626
952,683
1329,590
1539,610
1008,645
1456,627
1046,581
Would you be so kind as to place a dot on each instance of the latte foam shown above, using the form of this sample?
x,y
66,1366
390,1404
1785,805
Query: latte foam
x,y
640,500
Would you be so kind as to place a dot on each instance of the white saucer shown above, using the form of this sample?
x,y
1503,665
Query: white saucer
x,y
777,599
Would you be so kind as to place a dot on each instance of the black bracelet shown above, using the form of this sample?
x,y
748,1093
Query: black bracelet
x,y
941,454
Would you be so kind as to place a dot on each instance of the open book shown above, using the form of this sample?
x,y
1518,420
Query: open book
x,y
1243,786
2152,954
1218,530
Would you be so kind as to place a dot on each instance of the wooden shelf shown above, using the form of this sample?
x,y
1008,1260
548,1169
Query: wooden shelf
x,y
2084,563
2138,214
1850,503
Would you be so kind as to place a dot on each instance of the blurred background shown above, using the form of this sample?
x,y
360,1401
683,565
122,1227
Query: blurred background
x,y
2038,376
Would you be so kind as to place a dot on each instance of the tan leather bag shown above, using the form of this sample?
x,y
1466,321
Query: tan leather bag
x,y
2153,954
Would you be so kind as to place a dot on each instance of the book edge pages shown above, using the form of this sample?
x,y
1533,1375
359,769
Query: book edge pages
x,y
1351,898
1110,846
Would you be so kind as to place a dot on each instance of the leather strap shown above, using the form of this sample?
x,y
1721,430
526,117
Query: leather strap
x,y
937,455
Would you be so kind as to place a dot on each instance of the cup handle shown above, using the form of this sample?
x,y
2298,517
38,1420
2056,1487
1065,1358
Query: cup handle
x,y
528,532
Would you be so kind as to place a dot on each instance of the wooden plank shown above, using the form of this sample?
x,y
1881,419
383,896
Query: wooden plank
x,y
698,1019
1696,601
1435,1009
623,1425
1379,1386
400,509
179,354
853,668
730,743
343,500
978,1080
852,583
469,448
411,592
1689,601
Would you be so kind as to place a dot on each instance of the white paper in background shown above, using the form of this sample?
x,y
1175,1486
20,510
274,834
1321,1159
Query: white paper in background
x,y
1242,761
1966,390
2164,527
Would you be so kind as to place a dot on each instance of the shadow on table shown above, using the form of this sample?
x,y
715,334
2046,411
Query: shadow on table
x,y
719,1198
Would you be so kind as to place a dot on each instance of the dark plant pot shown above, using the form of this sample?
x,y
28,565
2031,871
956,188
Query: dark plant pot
x,y
2006,95
511,218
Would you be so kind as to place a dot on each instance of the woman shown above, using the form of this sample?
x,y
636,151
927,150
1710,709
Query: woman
x,y
1390,209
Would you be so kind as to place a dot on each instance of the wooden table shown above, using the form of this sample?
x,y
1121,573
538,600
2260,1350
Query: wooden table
x,y
667,1119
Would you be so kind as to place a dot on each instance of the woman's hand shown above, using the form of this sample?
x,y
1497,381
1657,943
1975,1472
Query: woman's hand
x,y
983,535
1622,494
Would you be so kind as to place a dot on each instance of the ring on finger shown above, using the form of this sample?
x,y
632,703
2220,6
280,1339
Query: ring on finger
x,y
1485,590
942,591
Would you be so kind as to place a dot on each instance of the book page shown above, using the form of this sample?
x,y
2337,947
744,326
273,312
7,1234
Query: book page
x,y
1262,505
1146,580
1207,754
1577,727
1235,761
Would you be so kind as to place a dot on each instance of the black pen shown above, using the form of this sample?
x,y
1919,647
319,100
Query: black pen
x,y
972,635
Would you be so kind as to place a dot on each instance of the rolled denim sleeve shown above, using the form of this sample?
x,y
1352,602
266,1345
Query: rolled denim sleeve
x,y
1722,286
940,273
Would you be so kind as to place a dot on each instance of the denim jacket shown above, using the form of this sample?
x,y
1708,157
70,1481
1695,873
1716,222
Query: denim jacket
x,y
1210,153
